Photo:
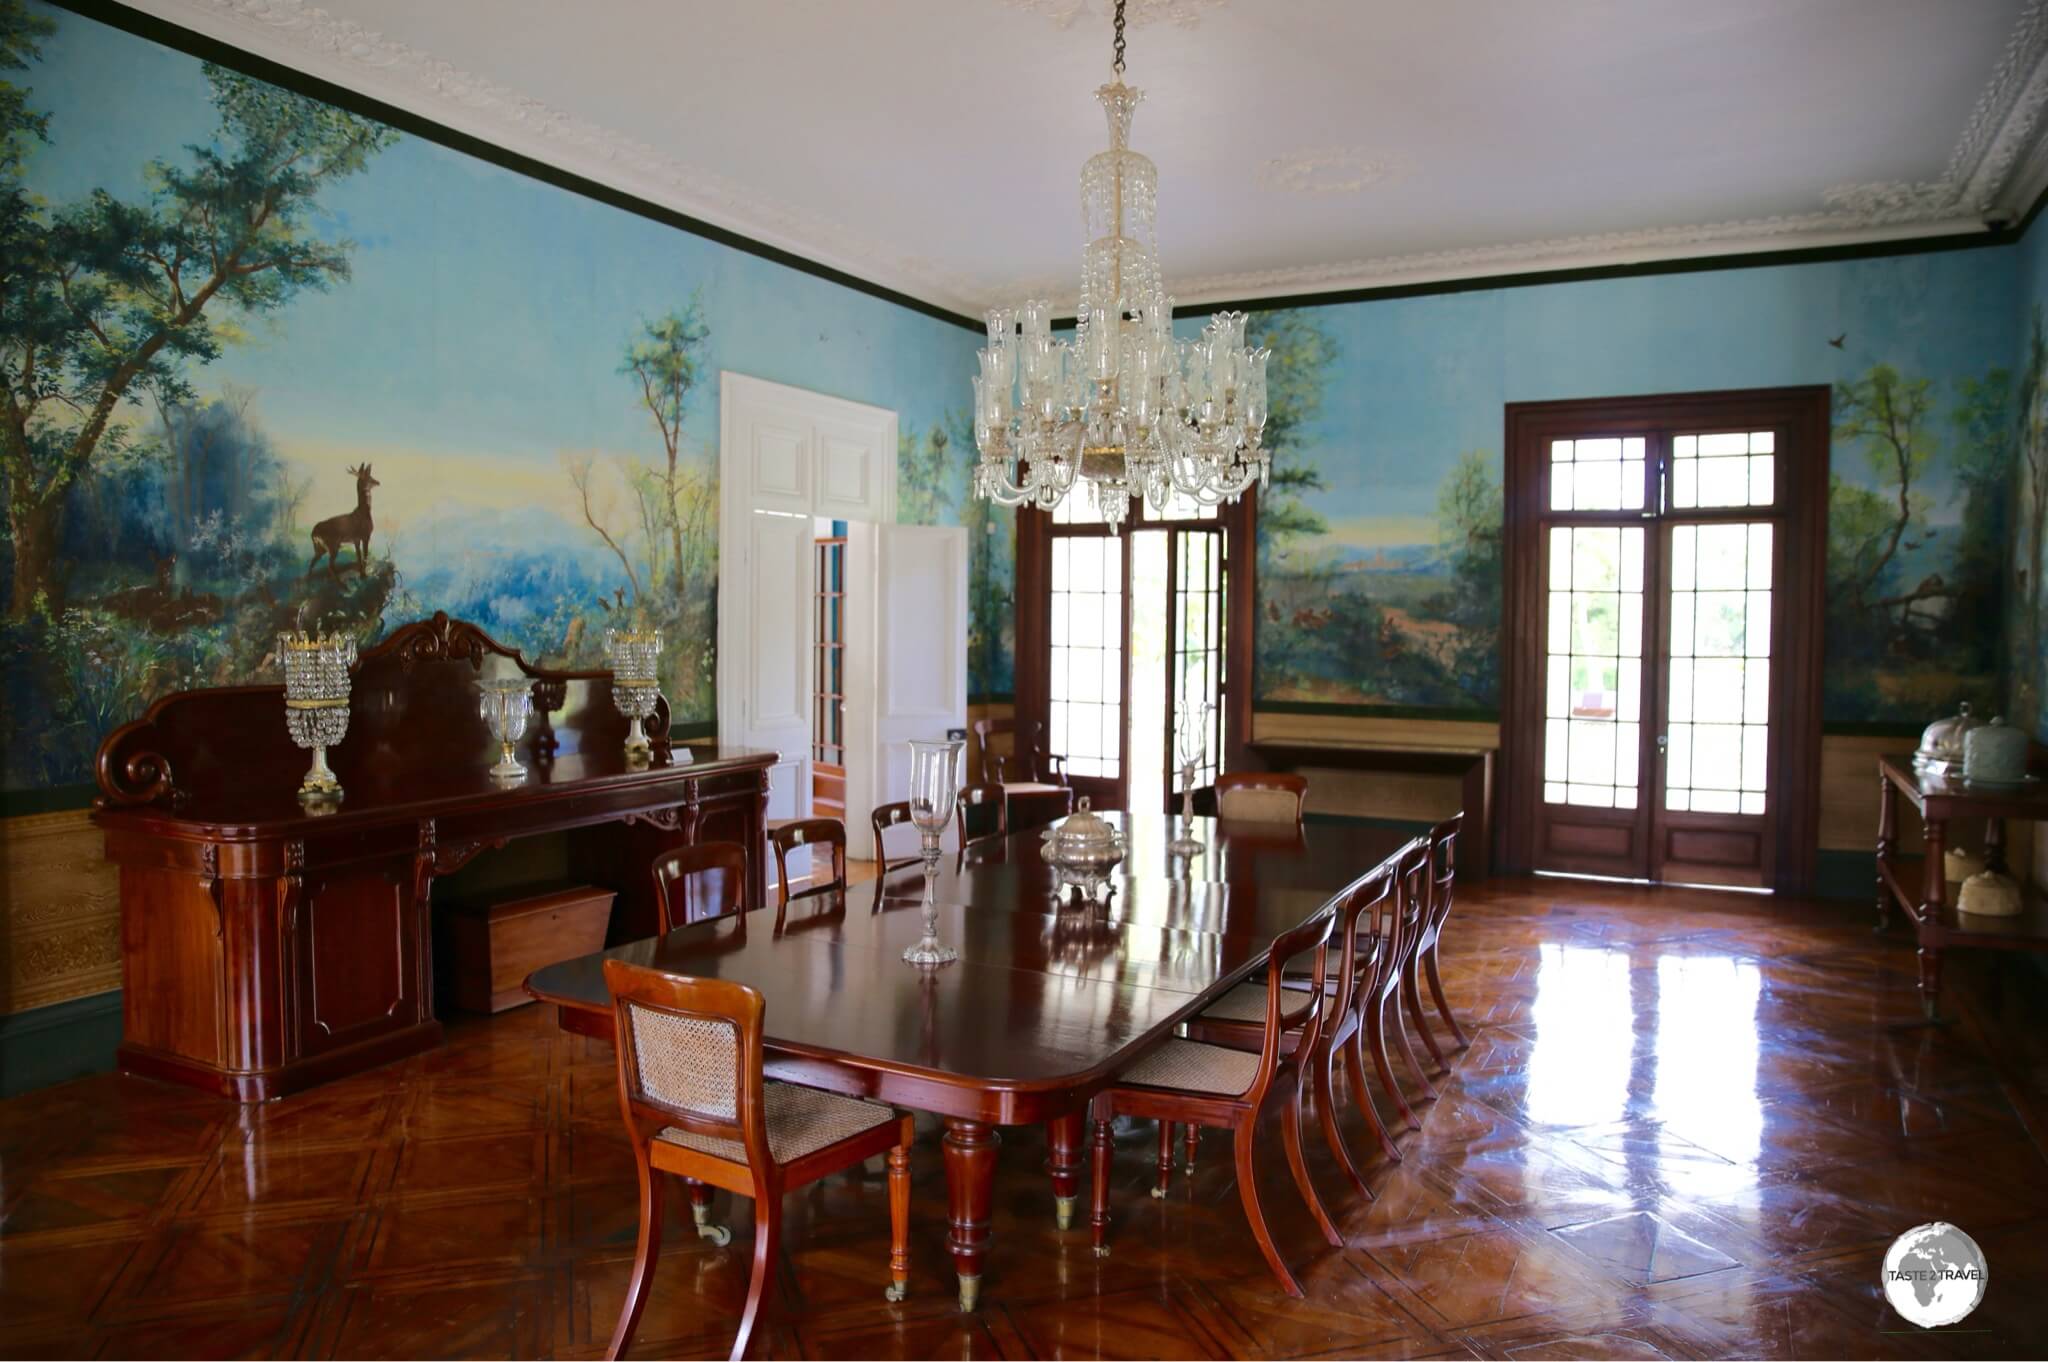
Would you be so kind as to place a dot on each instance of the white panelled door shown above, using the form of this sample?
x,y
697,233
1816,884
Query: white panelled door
x,y
785,456
906,659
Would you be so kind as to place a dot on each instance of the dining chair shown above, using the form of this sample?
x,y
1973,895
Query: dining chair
x,y
982,814
1403,930
1032,779
697,1106
812,833
1238,1019
1219,1087
1443,867
1260,796
700,882
885,818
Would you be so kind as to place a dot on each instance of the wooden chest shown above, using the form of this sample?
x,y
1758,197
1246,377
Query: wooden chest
x,y
488,947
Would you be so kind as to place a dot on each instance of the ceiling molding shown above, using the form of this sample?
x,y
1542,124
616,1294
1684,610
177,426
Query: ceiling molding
x,y
316,43
1997,169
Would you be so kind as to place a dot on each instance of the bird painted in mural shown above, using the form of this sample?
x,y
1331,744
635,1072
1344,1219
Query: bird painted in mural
x,y
1836,341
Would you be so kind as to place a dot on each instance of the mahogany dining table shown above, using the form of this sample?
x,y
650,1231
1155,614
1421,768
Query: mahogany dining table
x,y
1049,999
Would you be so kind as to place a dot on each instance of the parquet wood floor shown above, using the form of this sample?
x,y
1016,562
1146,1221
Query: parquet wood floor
x,y
1688,1125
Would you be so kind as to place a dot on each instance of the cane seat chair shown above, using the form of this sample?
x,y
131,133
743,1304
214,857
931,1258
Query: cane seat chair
x,y
698,883
1260,796
1362,915
1033,780
813,833
889,818
983,815
1399,942
698,1107
1443,869
1219,1087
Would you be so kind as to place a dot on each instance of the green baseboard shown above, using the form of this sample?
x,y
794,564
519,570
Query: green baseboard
x,y
46,1045
1845,875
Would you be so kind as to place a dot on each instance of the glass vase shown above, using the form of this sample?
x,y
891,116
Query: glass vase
x,y
934,790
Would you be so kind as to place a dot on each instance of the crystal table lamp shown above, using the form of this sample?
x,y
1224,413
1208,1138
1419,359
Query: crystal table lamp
x,y
635,655
1192,741
316,690
506,706
934,789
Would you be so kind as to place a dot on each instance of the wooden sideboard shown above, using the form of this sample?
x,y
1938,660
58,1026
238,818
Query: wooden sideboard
x,y
266,947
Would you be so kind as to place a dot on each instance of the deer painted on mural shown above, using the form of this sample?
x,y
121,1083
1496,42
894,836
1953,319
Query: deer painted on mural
x,y
352,527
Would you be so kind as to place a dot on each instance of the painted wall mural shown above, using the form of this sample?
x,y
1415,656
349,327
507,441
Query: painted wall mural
x,y
2027,605
1380,550
269,364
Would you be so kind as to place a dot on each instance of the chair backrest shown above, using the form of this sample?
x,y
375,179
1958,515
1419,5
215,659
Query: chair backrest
x,y
1026,761
809,832
696,883
885,818
982,815
1260,796
1359,914
1412,871
689,1055
1310,938
1443,869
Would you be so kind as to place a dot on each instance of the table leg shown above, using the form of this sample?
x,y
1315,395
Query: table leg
x,y
1887,841
1936,895
1930,982
970,1150
1063,1138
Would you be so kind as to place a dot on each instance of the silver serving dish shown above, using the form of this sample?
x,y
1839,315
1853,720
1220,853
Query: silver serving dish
x,y
1084,849
1941,746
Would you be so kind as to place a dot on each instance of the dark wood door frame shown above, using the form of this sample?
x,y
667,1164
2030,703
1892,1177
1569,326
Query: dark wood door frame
x,y
1805,414
1034,627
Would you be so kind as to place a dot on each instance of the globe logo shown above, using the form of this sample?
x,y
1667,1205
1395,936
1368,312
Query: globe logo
x,y
1934,1275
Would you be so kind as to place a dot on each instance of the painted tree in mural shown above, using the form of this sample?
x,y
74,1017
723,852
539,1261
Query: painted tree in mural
x,y
107,301
924,476
1896,573
1469,516
1302,351
663,362
2030,545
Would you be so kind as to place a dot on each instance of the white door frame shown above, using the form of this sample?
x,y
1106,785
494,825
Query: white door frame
x,y
793,452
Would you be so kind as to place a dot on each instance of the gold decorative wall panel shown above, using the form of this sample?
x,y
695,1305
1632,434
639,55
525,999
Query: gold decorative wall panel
x,y
60,913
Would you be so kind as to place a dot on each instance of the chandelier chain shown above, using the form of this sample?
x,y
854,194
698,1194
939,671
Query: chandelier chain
x,y
1118,63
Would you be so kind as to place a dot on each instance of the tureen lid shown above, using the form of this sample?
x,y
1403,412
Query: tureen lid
x,y
1943,740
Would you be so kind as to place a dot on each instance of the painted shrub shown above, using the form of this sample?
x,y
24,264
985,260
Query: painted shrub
x,y
240,323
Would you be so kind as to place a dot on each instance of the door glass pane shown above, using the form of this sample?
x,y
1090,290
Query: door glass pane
x,y
1146,787
1593,671
1720,672
1085,721
1728,469
1198,641
1597,475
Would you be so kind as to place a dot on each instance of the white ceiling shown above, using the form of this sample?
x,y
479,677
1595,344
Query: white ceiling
x,y
1303,145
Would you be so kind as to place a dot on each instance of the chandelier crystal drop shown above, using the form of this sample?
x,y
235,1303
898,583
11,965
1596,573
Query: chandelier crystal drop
x,y
1121,406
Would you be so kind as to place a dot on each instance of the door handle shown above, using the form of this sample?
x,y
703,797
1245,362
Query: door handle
x,y
1663,742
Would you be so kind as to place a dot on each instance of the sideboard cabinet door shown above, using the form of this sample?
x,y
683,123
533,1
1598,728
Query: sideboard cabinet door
x,y
355,940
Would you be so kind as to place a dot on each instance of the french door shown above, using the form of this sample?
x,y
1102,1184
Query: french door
x,y
1665,560
1120,635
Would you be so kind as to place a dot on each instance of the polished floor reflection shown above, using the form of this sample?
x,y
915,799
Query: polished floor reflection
x,y
1688,1124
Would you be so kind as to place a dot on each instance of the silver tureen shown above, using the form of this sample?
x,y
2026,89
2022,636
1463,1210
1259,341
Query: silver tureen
x,y
1083,850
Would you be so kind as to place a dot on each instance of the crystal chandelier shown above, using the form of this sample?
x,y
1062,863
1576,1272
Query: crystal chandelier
x,y
1122,406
